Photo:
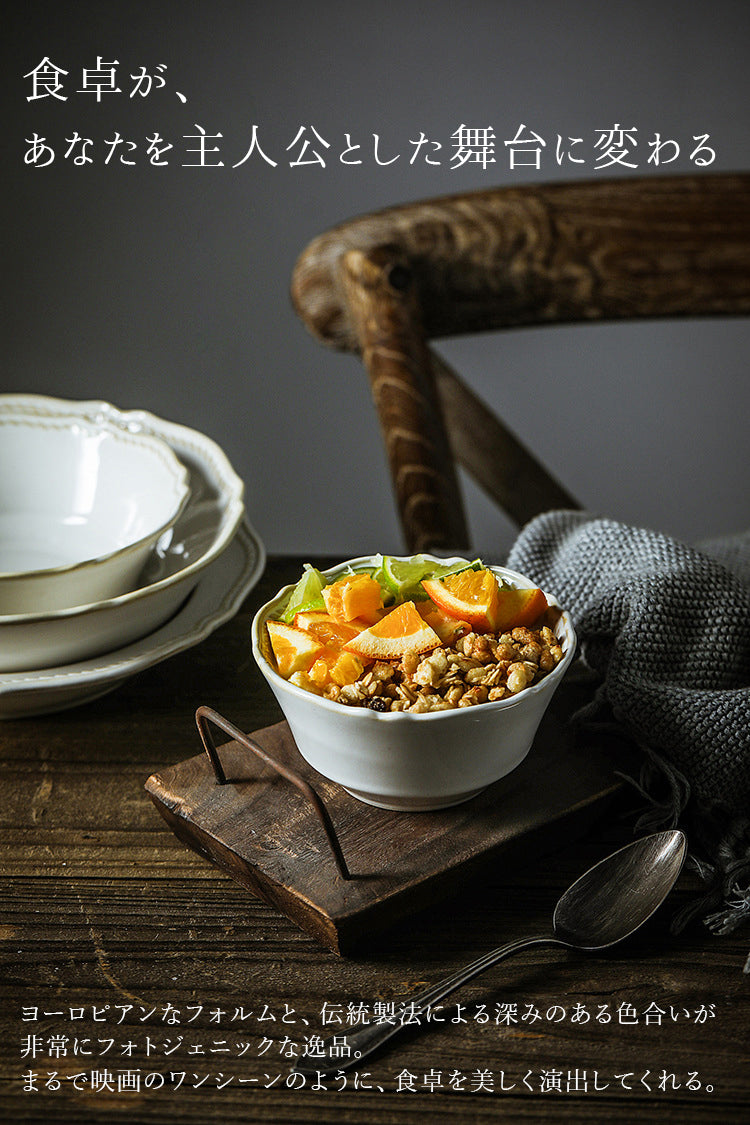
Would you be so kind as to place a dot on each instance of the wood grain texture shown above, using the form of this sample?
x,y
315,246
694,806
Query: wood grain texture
x,y
101,904
381,299
261,832
501,464
382,285
549,254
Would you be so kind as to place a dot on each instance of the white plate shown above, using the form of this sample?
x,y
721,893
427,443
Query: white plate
x,y
217,597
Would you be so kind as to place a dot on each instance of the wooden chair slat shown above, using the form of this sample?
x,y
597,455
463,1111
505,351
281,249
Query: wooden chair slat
x,y
383,285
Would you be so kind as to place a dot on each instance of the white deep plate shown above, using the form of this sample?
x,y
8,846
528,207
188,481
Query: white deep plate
x,y
216,598
206,526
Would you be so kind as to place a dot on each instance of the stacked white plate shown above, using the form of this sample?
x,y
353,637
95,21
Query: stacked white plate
x,y
194,579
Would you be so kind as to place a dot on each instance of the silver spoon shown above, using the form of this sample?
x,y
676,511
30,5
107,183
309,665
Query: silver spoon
x,y
604,906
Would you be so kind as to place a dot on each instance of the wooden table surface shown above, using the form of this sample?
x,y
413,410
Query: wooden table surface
x,y
138,982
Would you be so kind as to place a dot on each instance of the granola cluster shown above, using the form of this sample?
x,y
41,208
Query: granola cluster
x,y
478,668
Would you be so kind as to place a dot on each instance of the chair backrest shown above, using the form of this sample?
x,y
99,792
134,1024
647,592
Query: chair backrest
x,y
382,285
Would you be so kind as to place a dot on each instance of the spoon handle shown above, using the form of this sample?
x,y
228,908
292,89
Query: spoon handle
x,y
345,1051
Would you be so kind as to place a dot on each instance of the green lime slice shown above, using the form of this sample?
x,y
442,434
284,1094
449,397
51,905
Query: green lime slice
x,y
306,595
443,570
403,577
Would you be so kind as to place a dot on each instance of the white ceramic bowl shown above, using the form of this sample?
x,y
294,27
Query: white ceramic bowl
x,y
413,762
203,532
82,503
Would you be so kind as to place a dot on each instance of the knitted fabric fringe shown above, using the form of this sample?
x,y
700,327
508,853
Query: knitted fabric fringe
x,y
725,904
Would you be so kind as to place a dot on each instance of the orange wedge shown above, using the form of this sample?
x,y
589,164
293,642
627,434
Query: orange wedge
x,y
294,649
327,629
333,634
519,607
332,666
470,595
449,629
400,631
354,596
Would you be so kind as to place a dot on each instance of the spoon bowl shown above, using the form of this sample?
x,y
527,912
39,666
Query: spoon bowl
x,y
604,906
615,897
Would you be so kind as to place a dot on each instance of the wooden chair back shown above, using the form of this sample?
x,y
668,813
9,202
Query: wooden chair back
x,y
383,285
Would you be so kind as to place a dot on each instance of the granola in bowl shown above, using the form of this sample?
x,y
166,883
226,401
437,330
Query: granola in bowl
x,y
478,668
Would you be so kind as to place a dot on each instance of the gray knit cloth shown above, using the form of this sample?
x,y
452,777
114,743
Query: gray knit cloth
x,y
666,629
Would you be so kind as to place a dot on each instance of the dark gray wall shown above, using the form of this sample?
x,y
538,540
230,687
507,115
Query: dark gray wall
x,y
167,288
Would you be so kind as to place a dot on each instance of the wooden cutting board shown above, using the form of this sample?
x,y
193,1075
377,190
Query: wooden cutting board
x,y
259,829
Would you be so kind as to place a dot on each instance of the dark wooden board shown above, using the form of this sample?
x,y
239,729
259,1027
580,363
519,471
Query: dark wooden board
x,y
260,830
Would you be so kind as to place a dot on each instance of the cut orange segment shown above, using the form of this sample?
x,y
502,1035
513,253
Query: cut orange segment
x,y
330,632
519,607
470,595
400,631
335,667
302,680
347,668
449,629
354,596
294,649
327,629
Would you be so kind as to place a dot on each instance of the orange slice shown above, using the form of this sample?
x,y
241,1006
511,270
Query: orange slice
x,y
353,596
294,649
470,595
519,607
327,629
335,667
400,631
449,629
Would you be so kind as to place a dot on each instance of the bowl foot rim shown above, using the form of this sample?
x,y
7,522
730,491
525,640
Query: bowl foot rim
x,y
413,804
